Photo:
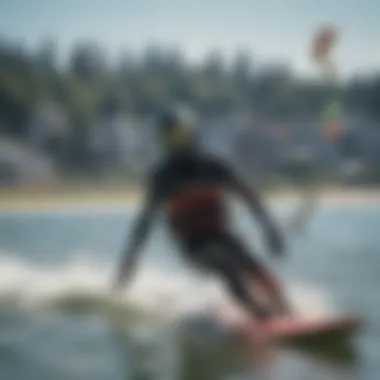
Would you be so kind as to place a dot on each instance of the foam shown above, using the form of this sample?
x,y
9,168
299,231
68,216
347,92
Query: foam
x,y
173,293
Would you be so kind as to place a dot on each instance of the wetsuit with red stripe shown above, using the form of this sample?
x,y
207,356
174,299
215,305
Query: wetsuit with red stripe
x,y
192,187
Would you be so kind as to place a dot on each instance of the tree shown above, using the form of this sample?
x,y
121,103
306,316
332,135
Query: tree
x,y
87,62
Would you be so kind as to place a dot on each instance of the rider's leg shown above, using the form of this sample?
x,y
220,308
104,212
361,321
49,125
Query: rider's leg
x,y
274,291
218,256
238,290
258,272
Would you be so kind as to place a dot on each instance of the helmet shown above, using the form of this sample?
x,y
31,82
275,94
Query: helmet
x,y
177,129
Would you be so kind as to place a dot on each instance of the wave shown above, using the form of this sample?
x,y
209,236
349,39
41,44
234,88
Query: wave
x,y
83,286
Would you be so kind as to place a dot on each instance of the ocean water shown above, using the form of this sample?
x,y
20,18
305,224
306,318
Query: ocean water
x,y
58,319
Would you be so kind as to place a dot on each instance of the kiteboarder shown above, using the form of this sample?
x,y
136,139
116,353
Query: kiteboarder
x,y
189,186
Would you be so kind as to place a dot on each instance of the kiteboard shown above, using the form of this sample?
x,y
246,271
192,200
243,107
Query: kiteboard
x,y
292,329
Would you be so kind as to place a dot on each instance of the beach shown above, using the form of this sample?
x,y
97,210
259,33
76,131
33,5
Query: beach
x,y
45,199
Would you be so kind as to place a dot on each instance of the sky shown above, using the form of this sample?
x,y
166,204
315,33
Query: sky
x,y
271,30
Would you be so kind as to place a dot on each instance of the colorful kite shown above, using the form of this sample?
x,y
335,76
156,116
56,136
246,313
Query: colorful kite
x,y
321,50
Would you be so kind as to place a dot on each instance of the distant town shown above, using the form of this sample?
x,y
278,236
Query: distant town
x,y
89,121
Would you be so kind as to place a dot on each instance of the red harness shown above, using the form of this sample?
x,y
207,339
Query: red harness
x,y
197,210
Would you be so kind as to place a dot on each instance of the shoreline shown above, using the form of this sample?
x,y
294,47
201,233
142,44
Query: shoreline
x,y
34,200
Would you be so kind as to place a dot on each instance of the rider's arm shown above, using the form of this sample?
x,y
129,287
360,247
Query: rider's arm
x,y
251,196
140,230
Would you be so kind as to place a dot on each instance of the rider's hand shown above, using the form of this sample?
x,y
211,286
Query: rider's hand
x,y
117,285
125,273
121,281
275,242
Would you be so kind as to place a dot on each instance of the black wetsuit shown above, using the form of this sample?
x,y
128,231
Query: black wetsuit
x,y
191,188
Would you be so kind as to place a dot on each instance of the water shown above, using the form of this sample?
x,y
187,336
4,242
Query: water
x,y
58,321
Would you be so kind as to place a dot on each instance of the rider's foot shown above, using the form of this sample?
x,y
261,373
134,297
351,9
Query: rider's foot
x,y
264,314
284,311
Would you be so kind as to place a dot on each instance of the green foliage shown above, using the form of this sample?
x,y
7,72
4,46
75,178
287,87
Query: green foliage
x,y
89,86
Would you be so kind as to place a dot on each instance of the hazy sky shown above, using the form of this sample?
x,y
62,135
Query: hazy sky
x,y
270,29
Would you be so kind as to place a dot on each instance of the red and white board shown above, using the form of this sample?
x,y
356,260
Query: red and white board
x,y
288,329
